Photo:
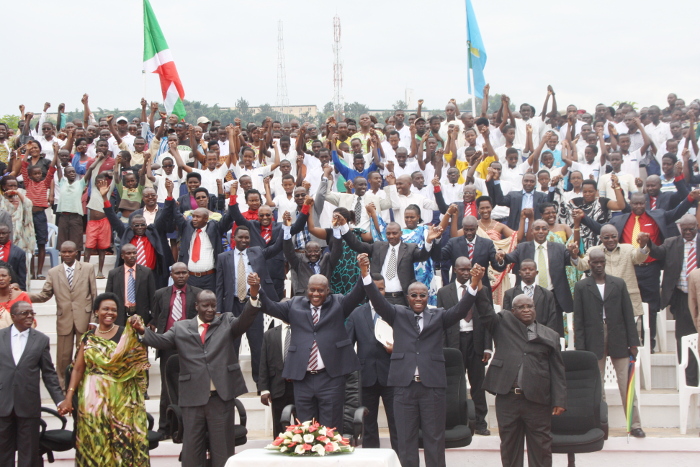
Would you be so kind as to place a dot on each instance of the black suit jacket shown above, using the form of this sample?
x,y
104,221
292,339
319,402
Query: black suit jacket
x,y
545,305
227,273
215,230
619,317
373,356
408,254
558,259
18,263
272,363
413,349
161,305
156,234
665,220
329,333
671,254
447,298
19,384
299,264
514,200
667,200
544,379
484,254
145,291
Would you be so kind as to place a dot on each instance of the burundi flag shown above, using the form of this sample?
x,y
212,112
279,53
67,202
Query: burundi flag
x,y
158,59
476,52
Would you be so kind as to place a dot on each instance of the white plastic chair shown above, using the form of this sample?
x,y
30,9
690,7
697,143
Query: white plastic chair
x,y
645,351
570,330
51,247
688,404
661,333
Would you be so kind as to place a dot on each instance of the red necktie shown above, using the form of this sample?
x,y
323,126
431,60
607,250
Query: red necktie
x,y
470,246
267,234
196,246
204,333
141,251
468,210
653,202
2,252
692,259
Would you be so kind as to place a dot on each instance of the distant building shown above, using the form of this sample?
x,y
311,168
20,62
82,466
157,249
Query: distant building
x,y
296,110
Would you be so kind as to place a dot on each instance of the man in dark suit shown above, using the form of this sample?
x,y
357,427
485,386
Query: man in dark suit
x,y
527,377
232,285
321,354
660,225
170,305
374,357
275,390
149,240
552,259
265,231
24,352
677,256
14,256
134,286
667,200
393,259
471,338
518,200
417,369
311,261
604,324
200,244
210,375
545,304
477,249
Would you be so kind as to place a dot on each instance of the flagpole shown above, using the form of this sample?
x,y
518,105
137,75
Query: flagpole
x,y
470,75
143,75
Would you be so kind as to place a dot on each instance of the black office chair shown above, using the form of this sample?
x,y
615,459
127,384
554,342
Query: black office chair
x,y
458,420
583,427
58,440
354,411
174,412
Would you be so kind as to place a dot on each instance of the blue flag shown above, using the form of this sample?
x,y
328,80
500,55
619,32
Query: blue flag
x,y
476,52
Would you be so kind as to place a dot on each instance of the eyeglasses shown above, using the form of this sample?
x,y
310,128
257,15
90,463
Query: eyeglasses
x,y
417,295
138,225
264,215
201,197
24,314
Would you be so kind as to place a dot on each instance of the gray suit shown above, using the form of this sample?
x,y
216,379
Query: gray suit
x,y
419,402
541,386
201,365
301,269
20,400
319,395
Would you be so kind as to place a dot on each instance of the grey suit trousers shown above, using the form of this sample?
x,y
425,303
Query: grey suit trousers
x,y
418,406
216,418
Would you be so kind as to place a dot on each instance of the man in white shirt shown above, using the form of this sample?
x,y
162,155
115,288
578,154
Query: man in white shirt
x,y
659,132
401,196
357,202
403,130
626,180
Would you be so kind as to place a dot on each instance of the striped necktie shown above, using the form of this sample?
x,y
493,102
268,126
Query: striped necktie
x,y
358,210
141,251
131,287
69,276
242,289
287,340
652,200
177,305
313,356
692,262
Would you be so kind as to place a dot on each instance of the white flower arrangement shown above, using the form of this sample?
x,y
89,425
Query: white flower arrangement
x,y
310,439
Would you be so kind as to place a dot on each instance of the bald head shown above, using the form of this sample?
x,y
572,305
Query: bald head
x,y
596,254
463,262
608,229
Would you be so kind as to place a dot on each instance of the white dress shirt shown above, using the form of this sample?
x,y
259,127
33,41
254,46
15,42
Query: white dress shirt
x,y
400,203
206,253
601,289
19,342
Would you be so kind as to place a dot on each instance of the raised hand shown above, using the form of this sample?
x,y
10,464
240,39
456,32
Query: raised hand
x,y
103,186
84,99
527,213
435,232
254,283
678,169
487,88
370,208
573,249
695,194
435,181
643,239
391,178
234,187
363,263
578,215
550,90
500,256
287,218
47,105
420,102
452,210
169,187
306,184
309,200
136,323
477,273
640,183
390,166
154,107
555,180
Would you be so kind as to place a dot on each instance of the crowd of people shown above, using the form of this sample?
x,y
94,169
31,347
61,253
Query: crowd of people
x,y
414,224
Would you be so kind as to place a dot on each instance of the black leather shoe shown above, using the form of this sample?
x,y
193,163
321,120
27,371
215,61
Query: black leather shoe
x,y
638,433
483,432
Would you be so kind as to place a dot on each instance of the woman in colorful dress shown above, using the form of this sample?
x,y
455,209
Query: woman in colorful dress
x,y
110,379
416,232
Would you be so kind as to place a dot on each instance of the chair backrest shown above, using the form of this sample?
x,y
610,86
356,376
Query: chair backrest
x,y
172,375
583,394
456,392
53,236
688,343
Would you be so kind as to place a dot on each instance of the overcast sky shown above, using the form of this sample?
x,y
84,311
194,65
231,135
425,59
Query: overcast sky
x,y
594,51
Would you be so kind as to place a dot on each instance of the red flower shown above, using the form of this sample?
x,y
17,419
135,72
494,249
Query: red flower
x,y
298,431
329,447
313,428
344,442
277,441
307,447
322,439
329,432
291,445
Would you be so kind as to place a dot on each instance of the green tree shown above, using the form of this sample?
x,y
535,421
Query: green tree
x,y
12,121
494,105
399,105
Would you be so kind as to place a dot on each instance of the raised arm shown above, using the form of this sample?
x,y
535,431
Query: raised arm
x,y
619,203
485,101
